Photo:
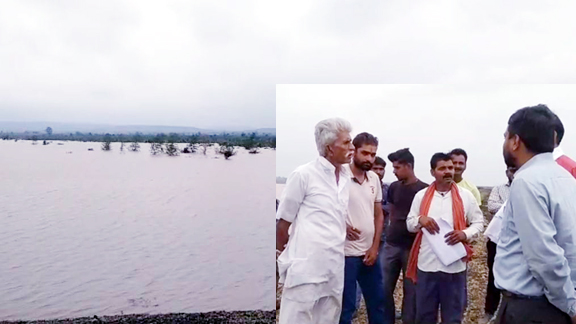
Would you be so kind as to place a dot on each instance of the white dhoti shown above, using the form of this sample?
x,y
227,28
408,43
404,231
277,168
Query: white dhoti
x,y
298,307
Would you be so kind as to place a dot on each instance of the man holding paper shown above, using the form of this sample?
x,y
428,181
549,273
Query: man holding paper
x,y
446,217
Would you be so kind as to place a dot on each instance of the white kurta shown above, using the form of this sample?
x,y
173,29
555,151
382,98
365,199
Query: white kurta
x,y
441,207
312,265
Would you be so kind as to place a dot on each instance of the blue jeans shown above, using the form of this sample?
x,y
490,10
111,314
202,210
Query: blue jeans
x,y
370,280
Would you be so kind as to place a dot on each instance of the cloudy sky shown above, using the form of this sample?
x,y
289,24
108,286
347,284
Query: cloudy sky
x,y
216,63
425,118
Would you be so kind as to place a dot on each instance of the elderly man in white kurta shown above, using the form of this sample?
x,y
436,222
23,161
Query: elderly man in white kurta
x,y
314,207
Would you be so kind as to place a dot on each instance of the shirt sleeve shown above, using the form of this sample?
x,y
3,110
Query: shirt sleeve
x,y
477,195
292,197
414,214
378,191
494,201
390,194
545,258
474,218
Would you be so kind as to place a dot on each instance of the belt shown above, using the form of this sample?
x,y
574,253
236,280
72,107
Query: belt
x,y
518,296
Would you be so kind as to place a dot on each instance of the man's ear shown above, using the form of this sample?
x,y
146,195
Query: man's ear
x,y
516,142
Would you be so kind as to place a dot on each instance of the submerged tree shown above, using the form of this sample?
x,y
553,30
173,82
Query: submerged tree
x,y
135,147
106,145
156,148
122,147
227,150
172,149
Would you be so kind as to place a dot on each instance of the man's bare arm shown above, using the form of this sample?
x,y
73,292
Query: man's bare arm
x,y
282,234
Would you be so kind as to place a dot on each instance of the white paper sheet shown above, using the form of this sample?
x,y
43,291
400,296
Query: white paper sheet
x,y
447,254
493,229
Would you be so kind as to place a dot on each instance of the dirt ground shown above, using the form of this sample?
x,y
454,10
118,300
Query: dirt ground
x,y
477,279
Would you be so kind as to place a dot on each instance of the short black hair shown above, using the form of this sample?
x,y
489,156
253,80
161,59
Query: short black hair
x,y
380,161
363,139
558,128
458,151
535,126
437,157
402,156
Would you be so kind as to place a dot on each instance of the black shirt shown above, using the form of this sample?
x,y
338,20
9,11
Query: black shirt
x,y
400,196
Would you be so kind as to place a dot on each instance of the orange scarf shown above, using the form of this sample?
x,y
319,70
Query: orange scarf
x,y
459,224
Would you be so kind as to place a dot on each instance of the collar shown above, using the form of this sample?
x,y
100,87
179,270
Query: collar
x,y
558,152
535,160
330,168
349,168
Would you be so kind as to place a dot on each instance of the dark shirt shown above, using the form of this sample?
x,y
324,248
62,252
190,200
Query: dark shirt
x,y
385,210
400,198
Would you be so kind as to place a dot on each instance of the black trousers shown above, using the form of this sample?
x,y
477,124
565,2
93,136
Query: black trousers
x,y
492,293
515,310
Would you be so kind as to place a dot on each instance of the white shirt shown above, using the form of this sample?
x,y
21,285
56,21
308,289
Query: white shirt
x,y
317,207
441,207
361,212
558,152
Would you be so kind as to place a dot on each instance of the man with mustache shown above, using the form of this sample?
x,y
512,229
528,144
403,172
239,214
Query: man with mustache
x,y
535,265
314,206
398,240
439,285
460,159
364,229
564,161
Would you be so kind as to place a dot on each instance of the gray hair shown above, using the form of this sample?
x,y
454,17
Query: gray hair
x,y
327,131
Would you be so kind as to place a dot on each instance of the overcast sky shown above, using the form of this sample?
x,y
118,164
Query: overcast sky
x,y
213,63
425,118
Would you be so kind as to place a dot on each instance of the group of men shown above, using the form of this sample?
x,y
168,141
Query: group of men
x,y
339,228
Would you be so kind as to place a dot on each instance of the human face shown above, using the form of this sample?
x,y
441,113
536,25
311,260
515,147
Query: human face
x,y
459,162
401,170
444,172
510,146
379,169
364,156
342,150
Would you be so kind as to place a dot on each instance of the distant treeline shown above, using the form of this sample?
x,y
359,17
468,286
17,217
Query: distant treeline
x,y
247,140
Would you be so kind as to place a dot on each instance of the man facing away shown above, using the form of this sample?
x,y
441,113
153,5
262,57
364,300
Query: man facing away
x,y
535,265
460,159
564,161
440,285
398,239
498,196
314,205
364,228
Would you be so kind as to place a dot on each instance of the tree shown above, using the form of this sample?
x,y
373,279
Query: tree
x,y
172,149
227,150
156,148
106,144
135,147
49,131
122,147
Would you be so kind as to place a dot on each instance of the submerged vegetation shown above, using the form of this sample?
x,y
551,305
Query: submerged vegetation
x,y
252,141
160,143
